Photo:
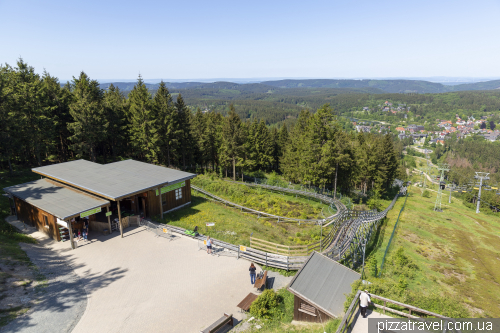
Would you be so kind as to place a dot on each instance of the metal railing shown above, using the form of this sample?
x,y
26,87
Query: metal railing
x,y
343,242
348,321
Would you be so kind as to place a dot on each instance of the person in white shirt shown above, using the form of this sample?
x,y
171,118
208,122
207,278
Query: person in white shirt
x,y
209,245
364,301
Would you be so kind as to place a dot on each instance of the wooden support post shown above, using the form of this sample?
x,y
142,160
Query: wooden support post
x,y
161,203
120,219
109,219
70,235
385,305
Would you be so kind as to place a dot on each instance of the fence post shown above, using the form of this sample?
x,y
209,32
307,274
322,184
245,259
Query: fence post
x,y
238,257
287,263
266,258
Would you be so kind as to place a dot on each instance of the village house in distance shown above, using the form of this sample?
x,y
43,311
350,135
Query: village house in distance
x,y
72,193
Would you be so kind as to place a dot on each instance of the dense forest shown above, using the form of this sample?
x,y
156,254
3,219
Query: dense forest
x,y
43,122
423,108
278,102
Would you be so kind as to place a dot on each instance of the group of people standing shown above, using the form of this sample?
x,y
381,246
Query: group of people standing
x,y
83,232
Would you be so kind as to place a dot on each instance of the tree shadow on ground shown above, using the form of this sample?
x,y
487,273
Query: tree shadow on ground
x,y
58,303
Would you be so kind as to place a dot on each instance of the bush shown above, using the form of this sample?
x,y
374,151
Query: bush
x,y
426,194
266,305
374,202
371,269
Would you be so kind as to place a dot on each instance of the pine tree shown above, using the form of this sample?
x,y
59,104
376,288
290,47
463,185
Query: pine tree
x,y
232,143
143,122
292,164
8,129
89,119
168,127
59,100
185,139
114,104
32,110
210,140
390,160
264,145
275,138
251,149
197,126
281,144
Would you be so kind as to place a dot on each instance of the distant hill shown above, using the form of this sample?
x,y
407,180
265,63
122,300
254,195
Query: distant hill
x,y
390,86
127,86
487,85
301,87
230,90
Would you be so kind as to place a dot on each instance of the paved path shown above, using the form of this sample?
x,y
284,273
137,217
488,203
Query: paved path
x,y
59,306
142,283
361,324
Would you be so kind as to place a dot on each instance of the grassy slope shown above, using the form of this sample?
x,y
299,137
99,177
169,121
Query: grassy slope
x,y
264,200
11,254
235,227
457,251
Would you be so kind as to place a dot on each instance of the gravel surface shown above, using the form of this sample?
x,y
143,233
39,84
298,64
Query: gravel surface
x,y
57,307
277,281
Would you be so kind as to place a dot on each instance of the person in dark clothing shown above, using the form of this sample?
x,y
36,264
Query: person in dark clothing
x,y
252,270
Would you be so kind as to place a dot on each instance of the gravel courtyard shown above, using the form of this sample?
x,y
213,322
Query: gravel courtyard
x,y
142,283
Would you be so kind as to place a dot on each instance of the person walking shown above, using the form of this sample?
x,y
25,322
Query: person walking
x,y
209,245
364,301
252,270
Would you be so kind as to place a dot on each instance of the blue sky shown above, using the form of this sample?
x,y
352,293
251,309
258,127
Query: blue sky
x,y
237,39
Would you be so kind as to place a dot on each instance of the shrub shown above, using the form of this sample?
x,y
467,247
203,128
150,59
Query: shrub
x,y
426,194
371,268
266,305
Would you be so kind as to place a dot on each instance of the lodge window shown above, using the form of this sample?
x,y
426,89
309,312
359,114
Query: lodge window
x,y
307,309
45,221
178,194
164,199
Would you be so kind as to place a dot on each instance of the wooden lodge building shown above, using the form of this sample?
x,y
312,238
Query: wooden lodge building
x,y
319,289
70,192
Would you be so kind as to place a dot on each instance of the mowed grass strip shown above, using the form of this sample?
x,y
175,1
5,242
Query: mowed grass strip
x,y
457,250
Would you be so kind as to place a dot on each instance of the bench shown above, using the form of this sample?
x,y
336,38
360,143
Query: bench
x,y
221,322
261,282
247,301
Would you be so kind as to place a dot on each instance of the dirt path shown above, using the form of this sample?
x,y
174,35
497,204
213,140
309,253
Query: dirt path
x,y
58,304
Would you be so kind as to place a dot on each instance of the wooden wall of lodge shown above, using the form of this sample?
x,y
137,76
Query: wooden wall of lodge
x,y
301,316
34,217
154,201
